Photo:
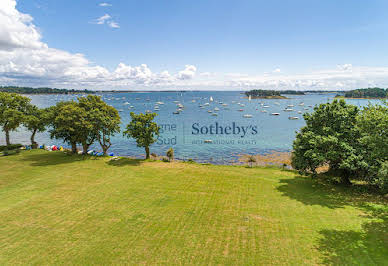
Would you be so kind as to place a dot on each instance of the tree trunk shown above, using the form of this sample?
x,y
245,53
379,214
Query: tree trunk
x,y
85,148
105,145
34,145
147,149
7,138
74,147
105,149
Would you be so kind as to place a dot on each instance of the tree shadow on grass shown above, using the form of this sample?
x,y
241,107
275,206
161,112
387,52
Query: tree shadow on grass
x,y
125,162
311,192
54,158
319,191
366,247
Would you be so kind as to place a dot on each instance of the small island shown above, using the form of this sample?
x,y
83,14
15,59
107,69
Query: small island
x,y
271,94
29,90
368,93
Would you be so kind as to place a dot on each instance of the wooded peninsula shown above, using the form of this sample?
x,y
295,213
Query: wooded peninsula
x,y
368,93
43,90
271,94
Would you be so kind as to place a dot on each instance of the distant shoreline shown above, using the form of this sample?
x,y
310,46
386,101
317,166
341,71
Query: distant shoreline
x,y
267,97
363,98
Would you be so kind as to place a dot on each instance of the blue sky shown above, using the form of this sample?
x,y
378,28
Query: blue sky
x,y
262,43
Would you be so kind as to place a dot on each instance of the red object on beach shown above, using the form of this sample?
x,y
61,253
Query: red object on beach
x,y
55,148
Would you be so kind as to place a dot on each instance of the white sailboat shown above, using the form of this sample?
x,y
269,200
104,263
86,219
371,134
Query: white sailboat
x,y
211,98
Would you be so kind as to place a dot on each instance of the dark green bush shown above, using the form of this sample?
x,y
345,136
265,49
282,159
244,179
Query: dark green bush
x,y
382,178
11,147
7,152
170,154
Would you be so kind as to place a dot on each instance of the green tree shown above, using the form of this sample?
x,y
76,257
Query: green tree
x,y
372,123
144,130
330,137
12,111
69,122
251,160
170,154
105,120
35,121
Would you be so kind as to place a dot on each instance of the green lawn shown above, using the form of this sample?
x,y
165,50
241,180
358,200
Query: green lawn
x,y
59,209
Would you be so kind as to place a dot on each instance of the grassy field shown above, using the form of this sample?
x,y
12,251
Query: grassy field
x,y
59,209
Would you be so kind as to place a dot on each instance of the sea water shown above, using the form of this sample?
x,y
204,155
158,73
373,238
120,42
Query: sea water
x,y
215,131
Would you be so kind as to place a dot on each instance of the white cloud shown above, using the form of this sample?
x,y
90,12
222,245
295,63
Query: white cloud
x,y
104,4
342,77
103,19
113,24
205,74
107,19
16,29
26,60
236,75
277,70
345,67
187,73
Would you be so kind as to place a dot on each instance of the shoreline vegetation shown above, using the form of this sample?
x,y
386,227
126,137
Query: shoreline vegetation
x,y
42,90
368,93
271,94
267,97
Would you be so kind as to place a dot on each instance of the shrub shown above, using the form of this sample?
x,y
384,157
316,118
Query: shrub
x,y
170,154
7,152
381,179
11,147
251,160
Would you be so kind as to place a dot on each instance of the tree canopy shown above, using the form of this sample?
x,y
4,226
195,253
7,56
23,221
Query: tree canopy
x,y
331,138
143,129
373,126
84,122
69,123
36,120
13,108
367,93
105,119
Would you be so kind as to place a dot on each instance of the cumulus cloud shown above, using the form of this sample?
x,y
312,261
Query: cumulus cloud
x,y
25,59
16,29
104,4
187,73
344,76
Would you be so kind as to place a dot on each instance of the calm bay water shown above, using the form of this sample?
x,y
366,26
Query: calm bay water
x,y
195,132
